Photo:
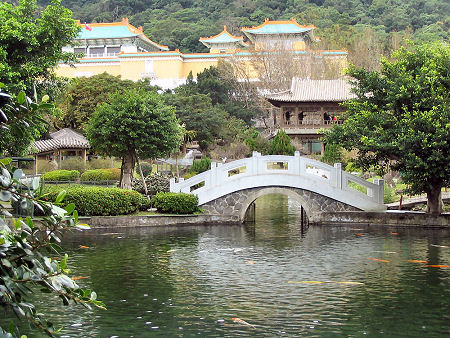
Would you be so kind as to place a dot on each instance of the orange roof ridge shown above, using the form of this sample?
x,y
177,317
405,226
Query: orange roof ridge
x,y
222,32
278,22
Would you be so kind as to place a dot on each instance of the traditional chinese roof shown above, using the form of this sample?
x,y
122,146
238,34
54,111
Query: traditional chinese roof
x,y
306,90
223,37
63,139
277,27
115,30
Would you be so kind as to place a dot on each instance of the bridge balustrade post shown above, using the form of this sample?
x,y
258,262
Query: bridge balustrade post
x,y
213,175
172,185
378,194
254,163
338,175
297,160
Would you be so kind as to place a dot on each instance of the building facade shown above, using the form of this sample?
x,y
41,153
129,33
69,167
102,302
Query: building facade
x,y
309,107
121,49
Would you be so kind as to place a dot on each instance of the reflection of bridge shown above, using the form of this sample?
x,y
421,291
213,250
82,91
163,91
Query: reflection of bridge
x,y
229,189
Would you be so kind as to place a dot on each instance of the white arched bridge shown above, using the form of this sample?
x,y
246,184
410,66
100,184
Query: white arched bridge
x,y
229,189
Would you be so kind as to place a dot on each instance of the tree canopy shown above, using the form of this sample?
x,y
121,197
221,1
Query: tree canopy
x,y
401,118
79,100
133,124
31,44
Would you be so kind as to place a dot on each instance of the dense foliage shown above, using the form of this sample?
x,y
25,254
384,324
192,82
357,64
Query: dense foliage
x,y
31,42
175,203
61,175
78,102
401,118
199,166
281,144
156,182
112,174
99,201
134,124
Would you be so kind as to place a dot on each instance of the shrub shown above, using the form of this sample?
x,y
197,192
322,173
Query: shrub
x,y
61,175
200,166
73,164
100,163
155,183
147,169
112,174
175,203
99,201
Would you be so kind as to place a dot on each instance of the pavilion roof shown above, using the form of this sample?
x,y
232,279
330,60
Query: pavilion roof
x,y
63,139
307,90
222,37
115,30
278,27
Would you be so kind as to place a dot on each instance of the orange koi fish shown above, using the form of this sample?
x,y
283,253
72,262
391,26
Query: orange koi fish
x,y
415,261
305,282
84,247
439,266
243,322
394,233
250,262
76,278
380,260
358,234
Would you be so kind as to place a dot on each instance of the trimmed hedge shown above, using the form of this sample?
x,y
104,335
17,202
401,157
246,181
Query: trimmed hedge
x,y
156,182
175,203
61,175
112,174
99,201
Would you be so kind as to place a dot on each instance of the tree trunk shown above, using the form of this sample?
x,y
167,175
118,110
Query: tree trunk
x,y
127,171
142,177
434,203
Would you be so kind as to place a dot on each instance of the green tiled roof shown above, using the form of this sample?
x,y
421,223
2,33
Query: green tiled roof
x,y
107,32
221,38
288,28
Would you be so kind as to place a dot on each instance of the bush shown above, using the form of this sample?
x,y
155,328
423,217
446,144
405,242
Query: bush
x,y
99,163
61,175
112,174
200,166
99,201
175,203
147,169
73,164
155,183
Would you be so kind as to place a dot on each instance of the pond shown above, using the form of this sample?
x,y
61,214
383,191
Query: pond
x,y
279,279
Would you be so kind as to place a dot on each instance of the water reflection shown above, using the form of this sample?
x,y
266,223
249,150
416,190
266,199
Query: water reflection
x,y
193,280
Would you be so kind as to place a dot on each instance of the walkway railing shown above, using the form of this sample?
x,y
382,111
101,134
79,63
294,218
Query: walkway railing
x,y
271,168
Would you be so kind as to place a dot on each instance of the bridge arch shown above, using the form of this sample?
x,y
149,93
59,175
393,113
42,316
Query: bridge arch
x,y
257,193
226,189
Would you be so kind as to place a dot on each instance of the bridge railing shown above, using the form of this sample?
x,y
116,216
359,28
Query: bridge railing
x,y
257,165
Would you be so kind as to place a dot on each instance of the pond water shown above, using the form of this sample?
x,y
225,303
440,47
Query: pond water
x,y
278,279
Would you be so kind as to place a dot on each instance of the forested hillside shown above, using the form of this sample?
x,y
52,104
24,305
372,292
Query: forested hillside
x,y
180,23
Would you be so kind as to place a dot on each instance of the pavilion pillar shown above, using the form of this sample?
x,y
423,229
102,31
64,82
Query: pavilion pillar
x,y
35,165
59,158
322,148
83,155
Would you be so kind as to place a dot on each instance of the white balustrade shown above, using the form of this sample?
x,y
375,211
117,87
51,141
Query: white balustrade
x,y
279,170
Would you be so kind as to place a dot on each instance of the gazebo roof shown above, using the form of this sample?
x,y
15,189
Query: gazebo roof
x,y
306,90
277,28
63,139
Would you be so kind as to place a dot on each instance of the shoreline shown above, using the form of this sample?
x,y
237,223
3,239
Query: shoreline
x,y
388,218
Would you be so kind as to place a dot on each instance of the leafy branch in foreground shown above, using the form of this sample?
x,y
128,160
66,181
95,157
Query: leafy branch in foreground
x,y
24,245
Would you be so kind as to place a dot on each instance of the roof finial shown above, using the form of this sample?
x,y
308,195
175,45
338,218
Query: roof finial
x,y
125,20
224,28
266,20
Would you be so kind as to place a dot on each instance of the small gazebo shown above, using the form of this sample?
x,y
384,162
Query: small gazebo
x,y
63,143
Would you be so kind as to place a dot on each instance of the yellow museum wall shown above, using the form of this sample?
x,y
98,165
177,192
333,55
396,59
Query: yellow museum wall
x,y
71,72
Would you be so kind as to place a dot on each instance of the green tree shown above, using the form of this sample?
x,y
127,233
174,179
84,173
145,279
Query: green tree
x,y
401,117
197,113
31,44
281,144
134,124
83,95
